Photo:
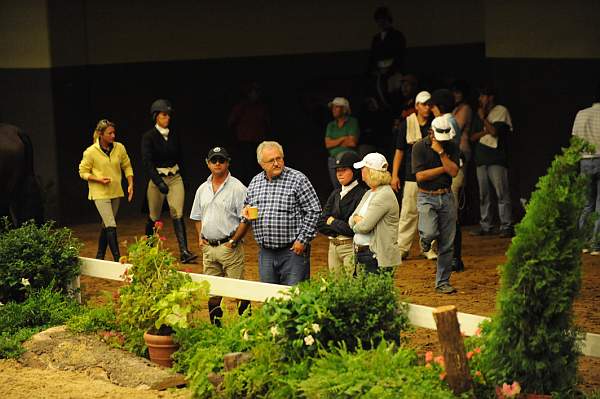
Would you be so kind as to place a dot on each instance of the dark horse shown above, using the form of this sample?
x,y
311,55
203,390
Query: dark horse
x,y
20,197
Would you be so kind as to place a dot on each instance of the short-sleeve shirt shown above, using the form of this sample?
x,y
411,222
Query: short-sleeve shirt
x,y
406,172
219,212
423,158
485,155
349,128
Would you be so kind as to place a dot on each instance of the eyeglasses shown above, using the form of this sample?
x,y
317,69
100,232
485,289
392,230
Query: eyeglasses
x,y
215,160
273,160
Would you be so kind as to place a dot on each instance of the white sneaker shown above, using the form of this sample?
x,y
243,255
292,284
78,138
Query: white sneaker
x,y
430,255
585,250
595,252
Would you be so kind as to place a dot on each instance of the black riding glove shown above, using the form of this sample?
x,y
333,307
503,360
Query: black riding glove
x,y
163,188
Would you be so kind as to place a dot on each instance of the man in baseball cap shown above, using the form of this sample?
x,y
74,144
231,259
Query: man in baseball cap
x,y
216,209
435,161
341,135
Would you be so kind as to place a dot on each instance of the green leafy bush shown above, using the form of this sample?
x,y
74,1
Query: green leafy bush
x,y
533,339
42,309
380,373
39,254
92,319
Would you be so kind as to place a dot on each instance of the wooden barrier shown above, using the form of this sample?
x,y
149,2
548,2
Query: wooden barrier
x,y
418,315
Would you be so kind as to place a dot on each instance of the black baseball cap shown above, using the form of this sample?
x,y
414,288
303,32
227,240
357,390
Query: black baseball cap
x,y
218,152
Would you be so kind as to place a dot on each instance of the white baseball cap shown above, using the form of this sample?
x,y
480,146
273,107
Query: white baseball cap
x,y
442,128
342,102
422,97
374,161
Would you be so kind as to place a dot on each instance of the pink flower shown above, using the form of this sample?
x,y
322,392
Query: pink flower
x,y
158,225
477,350
162,238
478,373
428,356
443,376
439,360
478,332
511,391
469,355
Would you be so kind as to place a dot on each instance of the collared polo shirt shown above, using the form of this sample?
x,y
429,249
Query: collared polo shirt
x,y
587,126
288,208
349,128
220,211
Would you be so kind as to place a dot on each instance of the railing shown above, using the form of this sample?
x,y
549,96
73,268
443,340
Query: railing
x,y
418,315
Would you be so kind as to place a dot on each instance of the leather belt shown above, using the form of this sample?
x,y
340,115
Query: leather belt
x,y
340,241
216,243
439,191
286,246
361,248
168,174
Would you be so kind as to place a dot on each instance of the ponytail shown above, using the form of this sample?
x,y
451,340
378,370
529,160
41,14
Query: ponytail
x,y
100,128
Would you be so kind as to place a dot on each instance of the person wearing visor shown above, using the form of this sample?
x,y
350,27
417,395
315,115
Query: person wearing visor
x,y
435,161
162,159
217,212
334,220
375,219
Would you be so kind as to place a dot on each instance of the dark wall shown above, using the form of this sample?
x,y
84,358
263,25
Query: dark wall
x,y
297,89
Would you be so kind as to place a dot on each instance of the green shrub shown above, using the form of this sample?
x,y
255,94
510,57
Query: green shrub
x,y
533,339
380,373
92,319
40,255
42,309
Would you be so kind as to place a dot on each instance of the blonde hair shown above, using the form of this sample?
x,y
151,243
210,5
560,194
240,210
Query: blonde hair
x,y
378,178
101,127
264,145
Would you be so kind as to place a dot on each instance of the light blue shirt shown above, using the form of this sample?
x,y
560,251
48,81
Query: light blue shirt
x,y
220,211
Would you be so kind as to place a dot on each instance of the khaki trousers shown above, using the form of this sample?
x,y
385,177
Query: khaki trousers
x,y
409,216
175,197
458,182
223,262
340,258
108,208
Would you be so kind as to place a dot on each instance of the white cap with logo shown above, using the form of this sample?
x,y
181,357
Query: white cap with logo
x,y
442,128
422,97
374,161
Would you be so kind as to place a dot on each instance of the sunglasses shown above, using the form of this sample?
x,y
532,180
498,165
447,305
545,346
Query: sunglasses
x,y
438,130
216,160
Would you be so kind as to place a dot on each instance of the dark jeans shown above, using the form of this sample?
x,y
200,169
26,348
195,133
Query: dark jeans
x,y
283,266
369,263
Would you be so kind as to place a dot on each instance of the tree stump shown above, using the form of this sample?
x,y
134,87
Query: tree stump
x,y
453,348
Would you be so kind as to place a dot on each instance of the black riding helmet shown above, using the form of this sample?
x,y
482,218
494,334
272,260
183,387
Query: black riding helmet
x,y
160,105
347,159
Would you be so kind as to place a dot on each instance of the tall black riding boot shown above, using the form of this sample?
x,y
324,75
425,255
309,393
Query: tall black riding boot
x,y
242,306
149,229
457,263
102,243
215,312
186,256
113,244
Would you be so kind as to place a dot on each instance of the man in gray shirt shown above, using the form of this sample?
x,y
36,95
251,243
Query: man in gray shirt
x,y
216,211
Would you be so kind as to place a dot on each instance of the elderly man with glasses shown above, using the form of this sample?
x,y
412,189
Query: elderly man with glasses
x,y
217,213
288,211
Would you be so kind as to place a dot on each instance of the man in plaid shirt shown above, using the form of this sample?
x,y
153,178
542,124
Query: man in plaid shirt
x,y
288,211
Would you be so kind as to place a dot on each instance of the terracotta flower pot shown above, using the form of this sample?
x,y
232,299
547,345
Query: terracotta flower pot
x,y
161,347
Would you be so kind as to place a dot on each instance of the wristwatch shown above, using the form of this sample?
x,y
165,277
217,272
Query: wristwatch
x,y
441,153
233,243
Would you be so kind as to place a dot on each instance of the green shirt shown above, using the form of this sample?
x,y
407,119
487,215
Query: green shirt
x,y
349,128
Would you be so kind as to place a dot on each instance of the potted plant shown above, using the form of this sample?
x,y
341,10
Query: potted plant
x,y
156,296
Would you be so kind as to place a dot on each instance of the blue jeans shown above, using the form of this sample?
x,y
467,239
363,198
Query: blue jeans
x,y
591,167
497,175
283,266
437,221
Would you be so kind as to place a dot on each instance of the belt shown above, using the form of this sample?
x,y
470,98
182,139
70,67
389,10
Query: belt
x,y
216,243
339,241
285,246
439,191
361,248
168,174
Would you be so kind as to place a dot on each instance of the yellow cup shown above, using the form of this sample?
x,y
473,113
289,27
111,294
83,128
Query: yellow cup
x,y
252,213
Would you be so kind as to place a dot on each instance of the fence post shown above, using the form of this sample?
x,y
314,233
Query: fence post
x,y
453,348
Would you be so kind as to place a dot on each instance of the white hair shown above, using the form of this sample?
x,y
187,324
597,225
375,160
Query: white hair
x,y
267,144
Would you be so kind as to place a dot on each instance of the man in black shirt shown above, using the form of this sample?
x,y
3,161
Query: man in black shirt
x,y
435,161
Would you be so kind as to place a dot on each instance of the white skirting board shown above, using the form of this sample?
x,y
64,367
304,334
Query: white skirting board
x,y
418,315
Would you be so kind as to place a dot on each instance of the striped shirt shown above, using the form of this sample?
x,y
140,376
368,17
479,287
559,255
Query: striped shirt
x,y
587,126
288,208
219,212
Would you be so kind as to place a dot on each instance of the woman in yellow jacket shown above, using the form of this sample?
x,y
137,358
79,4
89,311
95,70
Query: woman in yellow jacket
x,y
101,167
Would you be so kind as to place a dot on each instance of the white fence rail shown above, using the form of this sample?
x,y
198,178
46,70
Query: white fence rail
x,y
418,315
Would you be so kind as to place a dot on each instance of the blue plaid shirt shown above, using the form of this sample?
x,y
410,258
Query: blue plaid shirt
x,y
288,208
